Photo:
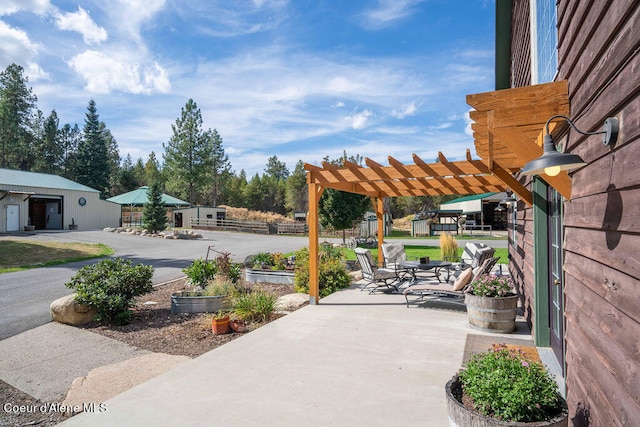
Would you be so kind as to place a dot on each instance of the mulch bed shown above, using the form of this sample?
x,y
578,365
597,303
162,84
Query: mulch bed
x,y
152,328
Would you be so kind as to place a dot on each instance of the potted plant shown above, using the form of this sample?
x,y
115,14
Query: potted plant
x,y
73,225
29,226
220,323
492,304
503,387
237,324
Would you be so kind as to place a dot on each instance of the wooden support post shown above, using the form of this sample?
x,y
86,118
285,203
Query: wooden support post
x,y
380,217
312,221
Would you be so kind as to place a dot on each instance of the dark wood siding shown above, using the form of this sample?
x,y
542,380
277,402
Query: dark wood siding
x,y
599,44
520,44
598,55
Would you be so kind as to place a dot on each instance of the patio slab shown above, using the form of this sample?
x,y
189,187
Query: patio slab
x,y
355,359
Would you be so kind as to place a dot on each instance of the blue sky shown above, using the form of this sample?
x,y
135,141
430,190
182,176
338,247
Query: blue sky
x,y
300,79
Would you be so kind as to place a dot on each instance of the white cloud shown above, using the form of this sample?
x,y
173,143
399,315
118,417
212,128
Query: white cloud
x,y
104,74
468,122
388,11
81,22
359,120
128,16
39,7
408,109
16,47
338,104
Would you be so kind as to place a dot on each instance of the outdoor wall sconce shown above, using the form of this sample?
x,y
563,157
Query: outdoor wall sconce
x,y
509,199
499,208
552,162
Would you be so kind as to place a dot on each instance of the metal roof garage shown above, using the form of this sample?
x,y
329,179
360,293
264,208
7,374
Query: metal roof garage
x,y
31,200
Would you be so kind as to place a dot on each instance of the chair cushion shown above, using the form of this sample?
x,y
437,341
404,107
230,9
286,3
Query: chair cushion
x,y
463,279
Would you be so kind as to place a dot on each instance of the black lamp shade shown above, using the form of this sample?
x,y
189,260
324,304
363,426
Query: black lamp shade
x,y
551,160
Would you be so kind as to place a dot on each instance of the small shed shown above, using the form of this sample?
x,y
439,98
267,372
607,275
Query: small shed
x,y
480,209
198,215
132,203
41,201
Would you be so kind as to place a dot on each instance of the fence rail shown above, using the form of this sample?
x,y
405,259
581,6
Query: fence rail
x,y
230,225
292,228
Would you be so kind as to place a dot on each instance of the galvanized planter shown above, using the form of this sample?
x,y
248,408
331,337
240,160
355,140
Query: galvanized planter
x,y
195,302
490,314
269,276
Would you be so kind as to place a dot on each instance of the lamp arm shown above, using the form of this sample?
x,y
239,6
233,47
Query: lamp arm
x,y
560,116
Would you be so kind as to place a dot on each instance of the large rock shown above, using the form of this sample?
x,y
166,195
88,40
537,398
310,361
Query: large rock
x,y
66,310
292,302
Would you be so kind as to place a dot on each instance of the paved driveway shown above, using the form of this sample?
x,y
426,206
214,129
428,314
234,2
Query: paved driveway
x,y
25,296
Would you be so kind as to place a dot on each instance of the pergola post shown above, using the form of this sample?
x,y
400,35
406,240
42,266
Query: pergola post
x,y
379,207
312,220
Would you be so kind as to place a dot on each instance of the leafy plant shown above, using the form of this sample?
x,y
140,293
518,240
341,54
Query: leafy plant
x,y
448,246
506,385
490,285
271,261
258,305
220,285
111,286
332,271
225,267
200,271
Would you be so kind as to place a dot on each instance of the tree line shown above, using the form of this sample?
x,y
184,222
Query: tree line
x,y
194,166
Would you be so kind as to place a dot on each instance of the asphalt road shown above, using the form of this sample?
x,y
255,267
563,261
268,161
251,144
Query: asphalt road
x,y
25,296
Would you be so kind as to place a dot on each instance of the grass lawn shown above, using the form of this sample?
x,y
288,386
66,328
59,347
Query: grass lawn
x,y
21,254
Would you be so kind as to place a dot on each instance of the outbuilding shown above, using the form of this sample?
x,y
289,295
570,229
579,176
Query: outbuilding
x,y
198,215
40,201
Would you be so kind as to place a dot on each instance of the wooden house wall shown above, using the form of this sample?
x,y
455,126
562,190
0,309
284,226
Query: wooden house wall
x,y
599,44
598,55
520,44
522,253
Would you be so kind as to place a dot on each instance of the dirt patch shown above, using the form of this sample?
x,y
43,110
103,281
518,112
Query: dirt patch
x,y
152,328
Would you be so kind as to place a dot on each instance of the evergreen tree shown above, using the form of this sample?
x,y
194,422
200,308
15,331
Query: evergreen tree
x,y
220,168
70,138
154,215
297,193
126,178
113,159
237,190
188,156
92,164
276,168
17,103
254,194
152,169
140,174
50,158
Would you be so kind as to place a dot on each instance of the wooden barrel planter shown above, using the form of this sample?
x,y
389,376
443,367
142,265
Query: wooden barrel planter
x,y
195,302
461,416
269,276
490,314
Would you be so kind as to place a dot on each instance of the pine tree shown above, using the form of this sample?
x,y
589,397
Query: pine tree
x,y
297,194
220,168
17,103
92,164
154,213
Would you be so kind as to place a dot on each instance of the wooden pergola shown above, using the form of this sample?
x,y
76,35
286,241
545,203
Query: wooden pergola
x,y
398,179
508,131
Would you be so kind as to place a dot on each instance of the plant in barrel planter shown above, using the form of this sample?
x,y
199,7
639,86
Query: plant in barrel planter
x,y
492,304
502,387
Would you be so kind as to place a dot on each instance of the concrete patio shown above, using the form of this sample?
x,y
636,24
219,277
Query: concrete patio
x,y
355,359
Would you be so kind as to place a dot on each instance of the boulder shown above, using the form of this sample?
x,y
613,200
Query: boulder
x,y
356,276
292,302
66,310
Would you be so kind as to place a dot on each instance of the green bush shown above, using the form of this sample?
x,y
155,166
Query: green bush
x,y
506,385
200,272
254,305
111,286
271,261
220,285
332,272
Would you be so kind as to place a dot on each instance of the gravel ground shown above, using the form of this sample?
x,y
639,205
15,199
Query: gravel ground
x,y
152,328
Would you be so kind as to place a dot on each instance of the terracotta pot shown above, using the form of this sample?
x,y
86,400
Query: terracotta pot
x,y
238,325
220,326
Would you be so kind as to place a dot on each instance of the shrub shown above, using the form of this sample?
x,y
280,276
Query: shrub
x,y
332,272
506,385
200,272
448,246
111,286
266,260
220,285
254,305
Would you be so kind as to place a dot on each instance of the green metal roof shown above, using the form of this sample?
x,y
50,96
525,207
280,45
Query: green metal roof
x,y
140,197
469,198
42,180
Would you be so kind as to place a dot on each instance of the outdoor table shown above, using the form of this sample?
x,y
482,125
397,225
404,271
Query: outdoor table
x,y
413,266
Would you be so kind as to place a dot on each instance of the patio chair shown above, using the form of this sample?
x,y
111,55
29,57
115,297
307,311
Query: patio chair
x,y
473,255
394,254
376,277
455,290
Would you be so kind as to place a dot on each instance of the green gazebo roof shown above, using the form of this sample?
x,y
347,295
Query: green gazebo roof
x,y
140,197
